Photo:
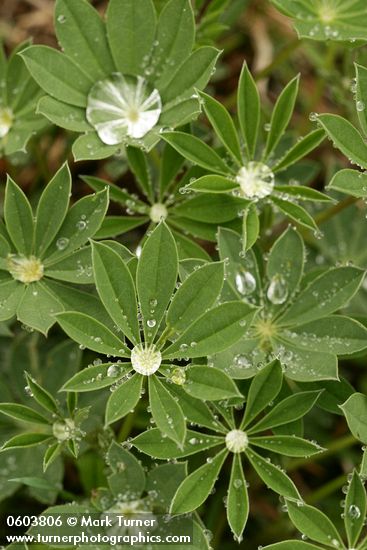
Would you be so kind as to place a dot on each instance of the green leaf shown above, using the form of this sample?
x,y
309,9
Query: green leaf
x,y
89,147
18,218
162,483
314,524
92,334
316,20
196,151
22,413
237,499
248,108
131,28
195,489
155,445
128,474
112,226
300,149
11,293
37,482
264,388
193,74
214,331
52,452
223,126
289,409
346,138
51,210
302,193
64,115
139,166
124,399
25,440
57,75
295,212
175,37
209,383
292,544
355,509
213,184
287,257
336,334
82,35
76,268
355,411
326,294
361,95
273,477
305,365
96,377
198,293
288,445
116,193
38,306
81,223
210,208
156,277
281,115
195,410
250,227
350,182
166,412
42,396
116,289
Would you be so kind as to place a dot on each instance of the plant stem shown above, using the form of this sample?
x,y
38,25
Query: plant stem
x,y
126,427
333,210
326,490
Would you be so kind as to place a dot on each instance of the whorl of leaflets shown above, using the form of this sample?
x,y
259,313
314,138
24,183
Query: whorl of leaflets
x,y
123,80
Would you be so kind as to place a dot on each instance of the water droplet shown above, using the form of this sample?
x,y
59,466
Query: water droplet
x,y
123,106
245,282
277,292
151,323
62,243
354,512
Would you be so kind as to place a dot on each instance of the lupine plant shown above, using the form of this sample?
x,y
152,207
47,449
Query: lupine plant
x,y
183,315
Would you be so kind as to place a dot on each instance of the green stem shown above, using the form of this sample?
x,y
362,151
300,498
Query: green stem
x,y
333,210
326,490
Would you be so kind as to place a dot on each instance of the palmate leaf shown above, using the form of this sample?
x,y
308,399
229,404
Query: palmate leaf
x,y
355,411
37,306
156,277
355,509
18,218
123,399
346,138
116,289
209,383
195,489
198,292
214,331
96,377
237,500
264,388
248,108
326,294
166,412
350,182
288,445
51,210
273,477
314,524
320,20
82,35
155,445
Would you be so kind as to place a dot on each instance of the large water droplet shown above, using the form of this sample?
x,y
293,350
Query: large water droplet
x,y
256,180
245,282
277,291
123,106
354,512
